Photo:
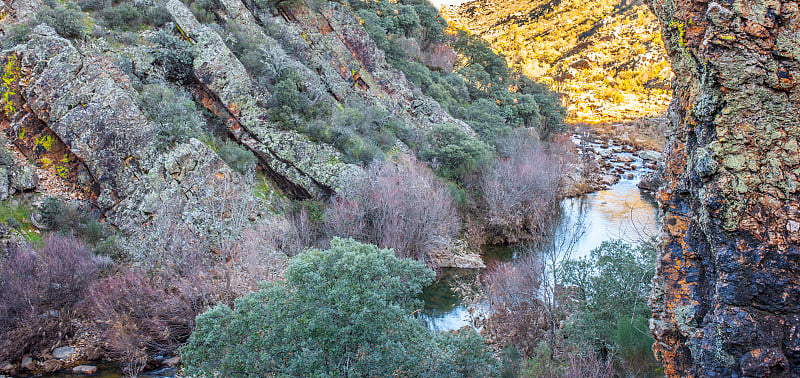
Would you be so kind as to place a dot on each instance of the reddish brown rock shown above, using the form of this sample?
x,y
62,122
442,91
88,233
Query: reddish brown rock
x,y
84,369
727,289
172,362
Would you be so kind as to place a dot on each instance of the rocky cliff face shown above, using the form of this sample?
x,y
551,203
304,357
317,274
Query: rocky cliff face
x,y
75,106
728,281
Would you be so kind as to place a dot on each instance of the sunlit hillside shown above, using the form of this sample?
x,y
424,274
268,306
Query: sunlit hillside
x,y
606,55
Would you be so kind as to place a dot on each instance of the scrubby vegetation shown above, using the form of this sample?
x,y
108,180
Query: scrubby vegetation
x,y
575,317
254,283
398,204
478,90
39,290
343,311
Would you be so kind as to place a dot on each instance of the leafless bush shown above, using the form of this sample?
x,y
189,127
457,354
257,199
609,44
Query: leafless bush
x,y
139,315
396,204
517,310
521,192
527,298
570,363
260,254
38,289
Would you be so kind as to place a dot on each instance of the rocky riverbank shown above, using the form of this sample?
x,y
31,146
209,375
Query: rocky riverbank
x,y
604,159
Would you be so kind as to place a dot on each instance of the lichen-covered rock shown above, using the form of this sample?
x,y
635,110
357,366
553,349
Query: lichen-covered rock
x,y
4,187
23,178
72,110
18,11
727,288
87,102
317,168
189,185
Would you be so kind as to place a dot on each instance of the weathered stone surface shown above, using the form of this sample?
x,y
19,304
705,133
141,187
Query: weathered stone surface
x,y
28,363
317,168
52,366
653,180
727,288
79,112
172,362
190,184
87,102
23,178
64,352
650,155
4,187
18,11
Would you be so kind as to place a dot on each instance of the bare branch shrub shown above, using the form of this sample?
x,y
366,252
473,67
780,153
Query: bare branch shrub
x,y
259,255
521,191
570,363
396,204
38,291
139,315
527,297
517,307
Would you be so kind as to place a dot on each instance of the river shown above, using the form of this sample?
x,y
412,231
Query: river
x,y
620,212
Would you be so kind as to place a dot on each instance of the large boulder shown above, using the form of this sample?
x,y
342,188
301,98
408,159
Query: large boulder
x,y
64,352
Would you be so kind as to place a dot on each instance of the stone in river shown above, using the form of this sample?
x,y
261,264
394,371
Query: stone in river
x,y
650,155
85,369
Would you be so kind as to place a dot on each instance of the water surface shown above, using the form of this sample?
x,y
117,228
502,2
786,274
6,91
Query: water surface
x,y
620,212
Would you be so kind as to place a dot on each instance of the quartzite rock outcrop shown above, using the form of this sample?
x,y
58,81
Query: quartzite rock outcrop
x,y
77,114
727,292
74,108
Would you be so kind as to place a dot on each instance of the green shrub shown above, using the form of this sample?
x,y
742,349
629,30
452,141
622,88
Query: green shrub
x,y
346,311
239,158
354,148
94,5
174,54
122,17
66,18
71,219
174,112
486,118
203,10
615,283
455,150
16,34
129,17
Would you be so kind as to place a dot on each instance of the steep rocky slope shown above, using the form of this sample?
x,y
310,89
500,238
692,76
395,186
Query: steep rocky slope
x,y
607,56
728,282
74,106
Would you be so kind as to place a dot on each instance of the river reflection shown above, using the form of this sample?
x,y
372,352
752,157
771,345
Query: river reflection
x,y
621,212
